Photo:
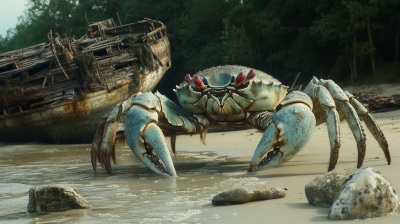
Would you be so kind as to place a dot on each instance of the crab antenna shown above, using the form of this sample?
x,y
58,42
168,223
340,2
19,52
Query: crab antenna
x,y
188,79
198,82
249,76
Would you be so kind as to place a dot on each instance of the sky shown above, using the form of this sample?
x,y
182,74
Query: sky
x,y
9,12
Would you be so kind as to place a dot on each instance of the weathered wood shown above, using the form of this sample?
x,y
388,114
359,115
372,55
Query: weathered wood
x,y
50,100
54,53
42,61
22,100
44,81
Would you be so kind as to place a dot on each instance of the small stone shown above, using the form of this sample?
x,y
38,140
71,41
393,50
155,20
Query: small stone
x,y
366,194
54,198
324,189
245,194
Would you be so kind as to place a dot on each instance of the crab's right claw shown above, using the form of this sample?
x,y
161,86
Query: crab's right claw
x,y
146,139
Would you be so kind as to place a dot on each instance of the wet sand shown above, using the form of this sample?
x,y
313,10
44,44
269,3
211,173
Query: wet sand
x,y
137,195
295,174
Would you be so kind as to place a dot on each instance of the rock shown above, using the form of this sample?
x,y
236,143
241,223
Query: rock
x,y
366,194
324,189
54,198
246,194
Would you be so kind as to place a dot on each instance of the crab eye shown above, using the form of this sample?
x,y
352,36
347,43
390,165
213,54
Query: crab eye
x,y
240,78
251,75
197,81
188,79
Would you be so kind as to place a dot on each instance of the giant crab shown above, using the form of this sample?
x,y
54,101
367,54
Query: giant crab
x,y
234,96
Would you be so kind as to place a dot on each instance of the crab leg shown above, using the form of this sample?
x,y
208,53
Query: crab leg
x,y
103,145
95,149
350,114
323,91
371,125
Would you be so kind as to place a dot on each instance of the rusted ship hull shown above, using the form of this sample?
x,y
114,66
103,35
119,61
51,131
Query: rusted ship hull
x,y
65,112
73,121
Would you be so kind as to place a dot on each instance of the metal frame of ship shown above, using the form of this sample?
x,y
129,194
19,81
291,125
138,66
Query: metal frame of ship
x,y
59,91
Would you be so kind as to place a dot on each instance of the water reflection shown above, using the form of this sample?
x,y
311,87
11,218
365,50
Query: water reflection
x,y
133,194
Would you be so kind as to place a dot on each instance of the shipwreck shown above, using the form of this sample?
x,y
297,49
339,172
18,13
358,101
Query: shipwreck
x,y
59,91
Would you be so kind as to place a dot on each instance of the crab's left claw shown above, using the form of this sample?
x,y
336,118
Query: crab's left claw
x,y
287,132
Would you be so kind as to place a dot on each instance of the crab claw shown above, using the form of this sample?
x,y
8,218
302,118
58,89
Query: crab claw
x,y
290,130
146,139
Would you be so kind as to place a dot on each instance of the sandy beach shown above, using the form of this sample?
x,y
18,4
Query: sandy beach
x,y
295,174
135,194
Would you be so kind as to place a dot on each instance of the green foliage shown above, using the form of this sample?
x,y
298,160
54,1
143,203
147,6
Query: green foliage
x,y
281,37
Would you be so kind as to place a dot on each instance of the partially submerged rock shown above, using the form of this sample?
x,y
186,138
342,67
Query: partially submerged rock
x,y
54,198
324,189
246,194
366,194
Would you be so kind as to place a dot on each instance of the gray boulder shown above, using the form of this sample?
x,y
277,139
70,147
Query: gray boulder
x,y
366,194
324,189
54,198
246,194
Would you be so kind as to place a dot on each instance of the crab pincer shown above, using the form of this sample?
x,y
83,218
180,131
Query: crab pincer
x,y
145,138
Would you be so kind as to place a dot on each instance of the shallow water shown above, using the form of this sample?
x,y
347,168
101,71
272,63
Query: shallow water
x,y
133,193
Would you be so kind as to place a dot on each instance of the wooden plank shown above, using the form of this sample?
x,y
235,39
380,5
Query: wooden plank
x,y
50,100
23,99
44,81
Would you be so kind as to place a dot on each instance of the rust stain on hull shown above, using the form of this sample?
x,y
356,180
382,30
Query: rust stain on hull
x,y
55,106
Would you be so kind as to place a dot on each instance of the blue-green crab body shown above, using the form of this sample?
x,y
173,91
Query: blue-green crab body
x,y
223,99
234,96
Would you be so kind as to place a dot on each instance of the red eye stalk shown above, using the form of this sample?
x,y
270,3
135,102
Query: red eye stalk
x,y
240,78
251,75
197,81
188,79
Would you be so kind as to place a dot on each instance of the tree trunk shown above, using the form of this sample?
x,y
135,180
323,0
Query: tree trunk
x,y
371,45
396,49
350,65
354,78
270,64
259,52
248,45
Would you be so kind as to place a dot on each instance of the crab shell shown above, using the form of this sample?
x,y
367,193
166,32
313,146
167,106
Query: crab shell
x,y
223,99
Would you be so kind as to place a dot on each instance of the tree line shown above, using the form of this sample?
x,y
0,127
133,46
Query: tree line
x,y
348,41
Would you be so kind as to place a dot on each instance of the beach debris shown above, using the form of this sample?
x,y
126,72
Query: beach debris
x,y
245,194
54,199
323,190
379,104
365,194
